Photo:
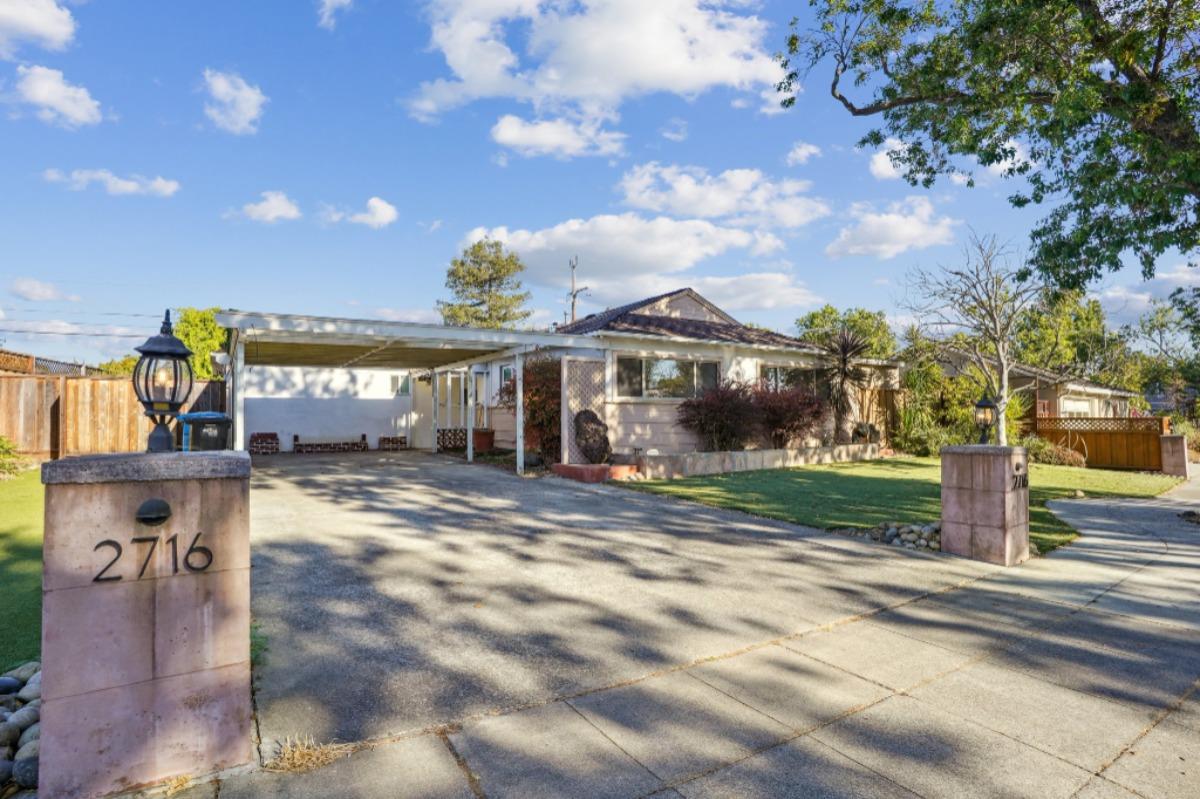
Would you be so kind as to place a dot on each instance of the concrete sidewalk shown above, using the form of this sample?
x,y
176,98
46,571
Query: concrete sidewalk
x,y
1073,675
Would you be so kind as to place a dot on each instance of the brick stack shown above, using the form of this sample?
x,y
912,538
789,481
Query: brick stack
x,y
264,443
392,443
327,447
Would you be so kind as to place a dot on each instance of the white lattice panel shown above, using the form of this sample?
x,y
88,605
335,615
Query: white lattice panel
x,y
585,390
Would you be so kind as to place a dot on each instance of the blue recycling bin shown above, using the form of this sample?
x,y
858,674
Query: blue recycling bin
x,y
205,430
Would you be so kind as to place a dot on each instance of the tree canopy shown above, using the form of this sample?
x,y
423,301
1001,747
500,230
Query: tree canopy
x,y
487,290
197,328
824,324
1095,102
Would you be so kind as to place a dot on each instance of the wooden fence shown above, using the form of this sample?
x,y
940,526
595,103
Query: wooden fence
x,y
51,417
1109,443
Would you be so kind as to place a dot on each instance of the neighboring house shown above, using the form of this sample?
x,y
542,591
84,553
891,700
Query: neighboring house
x,y
633,365
1055,394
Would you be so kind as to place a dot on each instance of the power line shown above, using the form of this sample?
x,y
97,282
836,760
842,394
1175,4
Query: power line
x,y
17,332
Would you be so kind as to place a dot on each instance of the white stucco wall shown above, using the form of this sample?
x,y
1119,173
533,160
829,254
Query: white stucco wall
x,y
321,404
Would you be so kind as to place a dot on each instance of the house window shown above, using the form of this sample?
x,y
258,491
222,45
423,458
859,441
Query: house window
x,y
506,374
401,385
665,377
778,378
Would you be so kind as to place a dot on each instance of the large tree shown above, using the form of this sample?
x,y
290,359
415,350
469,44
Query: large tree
x,y
197,328
980,304
1068,333
1095,102
822,325
487,291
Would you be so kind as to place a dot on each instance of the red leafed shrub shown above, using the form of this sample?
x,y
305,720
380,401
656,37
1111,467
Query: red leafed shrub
x,y
722,417
543,405
787,415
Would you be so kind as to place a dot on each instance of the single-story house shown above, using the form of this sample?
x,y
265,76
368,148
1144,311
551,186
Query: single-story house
x,y
323,378
1056,395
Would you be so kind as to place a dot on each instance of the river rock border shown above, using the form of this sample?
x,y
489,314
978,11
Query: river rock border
x,y
20,729
926,537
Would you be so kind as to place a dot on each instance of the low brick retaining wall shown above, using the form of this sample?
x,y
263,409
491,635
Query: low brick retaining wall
x,y
690,464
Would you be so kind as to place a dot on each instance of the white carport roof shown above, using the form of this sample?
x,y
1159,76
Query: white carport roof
x,y
269,339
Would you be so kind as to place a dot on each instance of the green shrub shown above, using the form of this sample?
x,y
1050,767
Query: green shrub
x,y
542,399
10,460
1042,451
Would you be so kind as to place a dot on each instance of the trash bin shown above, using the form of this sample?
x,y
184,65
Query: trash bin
x,y
205,430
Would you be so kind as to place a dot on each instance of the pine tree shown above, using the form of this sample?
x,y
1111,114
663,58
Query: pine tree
x,y
487,291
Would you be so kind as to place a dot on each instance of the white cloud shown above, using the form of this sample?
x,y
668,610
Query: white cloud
x,y
41,22
58,102
881,162
80,179
756,291
675,130
419,315
34,290
561,137
1123,304
740,196
801,153
236,105
378,214
592,56
906,225
328,10
623,249
274,207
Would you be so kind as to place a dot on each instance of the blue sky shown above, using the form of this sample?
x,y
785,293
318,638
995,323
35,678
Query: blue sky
x,y
331,156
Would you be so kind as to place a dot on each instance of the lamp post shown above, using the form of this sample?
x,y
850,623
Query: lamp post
x,y
162,380
985,417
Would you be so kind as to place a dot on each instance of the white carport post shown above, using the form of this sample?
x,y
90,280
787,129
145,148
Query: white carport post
x,y
433,446
519,378
469,373
239,395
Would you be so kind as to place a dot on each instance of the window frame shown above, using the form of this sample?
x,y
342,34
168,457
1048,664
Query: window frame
x,y
402,385
697,362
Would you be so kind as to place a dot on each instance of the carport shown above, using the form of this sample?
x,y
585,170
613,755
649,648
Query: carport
x,y
266,339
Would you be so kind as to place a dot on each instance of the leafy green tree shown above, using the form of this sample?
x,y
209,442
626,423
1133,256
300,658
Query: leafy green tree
x,y
119,367
487,291
824,324
1068,333
197,328
1102,96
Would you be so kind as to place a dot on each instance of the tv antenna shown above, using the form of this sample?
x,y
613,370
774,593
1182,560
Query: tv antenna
x,y
575,292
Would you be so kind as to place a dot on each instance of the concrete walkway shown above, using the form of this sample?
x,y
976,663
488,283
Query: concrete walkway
x,y
670,650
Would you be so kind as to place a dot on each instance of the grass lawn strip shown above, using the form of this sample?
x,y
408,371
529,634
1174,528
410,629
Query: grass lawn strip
x,y
20,568
907,490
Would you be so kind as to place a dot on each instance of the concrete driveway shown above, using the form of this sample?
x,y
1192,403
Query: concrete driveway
x,y
493,636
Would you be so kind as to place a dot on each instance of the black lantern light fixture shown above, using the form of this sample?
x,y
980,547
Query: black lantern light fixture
x,y
162,381
985,417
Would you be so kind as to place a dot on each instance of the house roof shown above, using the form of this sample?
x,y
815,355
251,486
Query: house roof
x,y
1054,378
600,321
626,319
703,330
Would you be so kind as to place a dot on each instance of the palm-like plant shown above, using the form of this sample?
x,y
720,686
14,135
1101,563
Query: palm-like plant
x,y
844,375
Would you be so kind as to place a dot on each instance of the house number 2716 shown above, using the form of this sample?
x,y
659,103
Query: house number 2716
x,y
197,558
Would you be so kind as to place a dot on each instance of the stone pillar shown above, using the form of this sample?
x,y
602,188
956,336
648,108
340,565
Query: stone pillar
x,y
1175,456
985,503
145,623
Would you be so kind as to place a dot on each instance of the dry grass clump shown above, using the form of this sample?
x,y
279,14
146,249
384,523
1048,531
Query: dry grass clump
x,y
298,755
177,785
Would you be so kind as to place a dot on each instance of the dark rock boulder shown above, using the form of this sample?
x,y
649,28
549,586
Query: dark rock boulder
x,y
591,436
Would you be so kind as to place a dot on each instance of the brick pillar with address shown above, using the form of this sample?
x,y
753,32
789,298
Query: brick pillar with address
x,y
145,620
985,503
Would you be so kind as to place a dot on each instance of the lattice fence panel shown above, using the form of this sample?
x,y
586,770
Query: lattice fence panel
x,y
585,390
1091,424
452,438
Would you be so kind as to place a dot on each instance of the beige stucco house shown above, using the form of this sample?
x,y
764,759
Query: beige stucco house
x,y
632,365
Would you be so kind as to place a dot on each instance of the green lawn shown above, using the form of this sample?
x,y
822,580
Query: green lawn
x,y
897,489
20,568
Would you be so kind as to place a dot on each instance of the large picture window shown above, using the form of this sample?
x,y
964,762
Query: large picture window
x,y
780,378
665,377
